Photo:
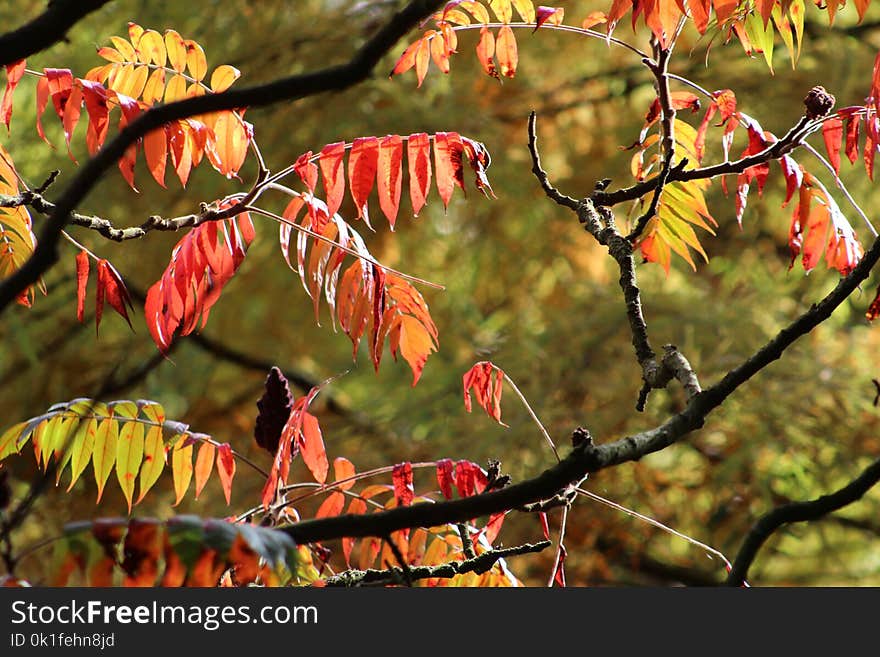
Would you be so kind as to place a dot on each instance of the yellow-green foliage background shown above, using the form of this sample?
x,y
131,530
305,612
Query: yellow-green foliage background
x,y
525,287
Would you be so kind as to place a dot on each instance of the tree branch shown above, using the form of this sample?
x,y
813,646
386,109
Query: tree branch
x,y
798,512
600,224
333,78
479,564
791,140
46,29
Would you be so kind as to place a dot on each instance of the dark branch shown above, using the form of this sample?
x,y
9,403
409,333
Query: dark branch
x,y
791,140
333,78
105,227
478,564
798,512
46,29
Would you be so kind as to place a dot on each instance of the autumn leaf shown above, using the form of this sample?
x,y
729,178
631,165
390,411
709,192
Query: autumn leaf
x,y
486,380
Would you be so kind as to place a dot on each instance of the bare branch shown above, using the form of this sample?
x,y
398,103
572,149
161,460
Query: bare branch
x,y
798,512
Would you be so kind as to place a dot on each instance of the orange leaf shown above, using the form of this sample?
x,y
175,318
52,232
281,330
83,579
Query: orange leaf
x,y
416,344
225,469
156,153
389,175
229,148
447,164
312,448
423,58
506,52
332,506
486,52
204,465
418,147
362,165
343,469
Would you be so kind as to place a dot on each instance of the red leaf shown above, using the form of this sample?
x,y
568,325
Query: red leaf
x,y
362,165
469,478
82,278
555,16
506,52
402,478
794,177
559,575
493,526
14,73
444,477
225,468
852,138
42,101
330,162
832,133
195,277
96,100
545,526
389,174
418,147
312,448
111,287
307,170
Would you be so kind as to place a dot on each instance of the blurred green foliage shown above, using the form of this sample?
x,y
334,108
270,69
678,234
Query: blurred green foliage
x,y
525,288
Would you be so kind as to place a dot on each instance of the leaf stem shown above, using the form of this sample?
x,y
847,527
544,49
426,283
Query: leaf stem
x,y
534,417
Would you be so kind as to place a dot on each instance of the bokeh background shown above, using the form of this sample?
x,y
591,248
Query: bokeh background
x,y
525,287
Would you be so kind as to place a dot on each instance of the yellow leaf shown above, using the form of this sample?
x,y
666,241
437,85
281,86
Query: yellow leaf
x,y
151,48
176,50
129,455
125,49
83,446
104,453
154,460
181,467
176,89
154,89
195,60
223,77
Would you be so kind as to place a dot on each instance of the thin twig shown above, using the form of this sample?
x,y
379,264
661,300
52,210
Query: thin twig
x,y
560,548
534,417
